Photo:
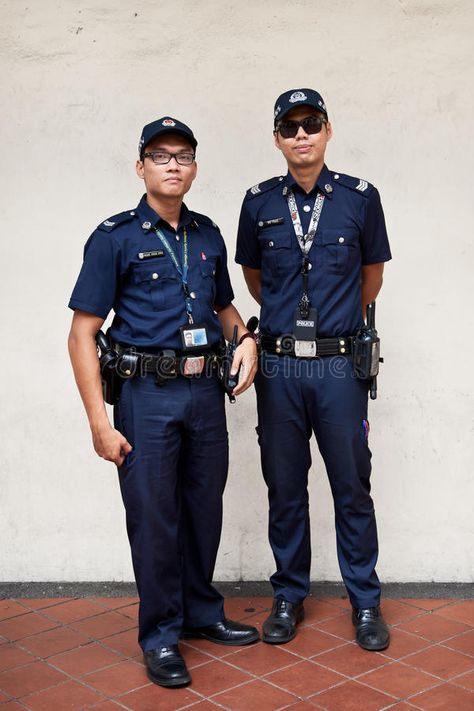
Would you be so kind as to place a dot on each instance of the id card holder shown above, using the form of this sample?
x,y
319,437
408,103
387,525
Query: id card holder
x,y
304,331
194,338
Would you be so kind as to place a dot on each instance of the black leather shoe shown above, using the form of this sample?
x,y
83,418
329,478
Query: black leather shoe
x,y
225,632
371,629
280,625
165,666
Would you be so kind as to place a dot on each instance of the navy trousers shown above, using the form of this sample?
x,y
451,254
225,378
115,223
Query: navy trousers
x,y
295,398
172,485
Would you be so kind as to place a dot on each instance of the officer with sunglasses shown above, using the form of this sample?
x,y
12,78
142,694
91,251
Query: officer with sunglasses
x,y
312,244
162,268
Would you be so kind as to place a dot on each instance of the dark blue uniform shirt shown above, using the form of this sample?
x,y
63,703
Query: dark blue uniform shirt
x,y
351,233
126,268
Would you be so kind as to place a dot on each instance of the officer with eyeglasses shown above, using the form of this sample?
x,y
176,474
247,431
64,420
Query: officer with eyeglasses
x,y
312,244
162,269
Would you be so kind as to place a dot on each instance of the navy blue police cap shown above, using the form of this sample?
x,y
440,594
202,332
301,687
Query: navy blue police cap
x,y
298,97
166,124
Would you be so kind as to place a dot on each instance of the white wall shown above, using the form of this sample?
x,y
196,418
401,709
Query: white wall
x,y
79,80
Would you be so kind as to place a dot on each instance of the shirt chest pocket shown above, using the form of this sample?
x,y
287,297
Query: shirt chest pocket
x,y
340,250
275,246
159,283
207,271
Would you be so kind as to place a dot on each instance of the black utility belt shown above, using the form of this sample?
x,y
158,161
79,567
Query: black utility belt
x,y
285,345
168,363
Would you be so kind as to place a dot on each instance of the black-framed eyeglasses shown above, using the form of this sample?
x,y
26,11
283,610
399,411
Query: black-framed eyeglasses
x,y
163,157
310,124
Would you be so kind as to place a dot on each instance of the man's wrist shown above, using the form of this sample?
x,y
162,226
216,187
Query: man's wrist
x,y
247,334
99,424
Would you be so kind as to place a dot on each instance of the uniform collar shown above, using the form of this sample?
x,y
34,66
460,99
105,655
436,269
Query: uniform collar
x,y
150,219
323,183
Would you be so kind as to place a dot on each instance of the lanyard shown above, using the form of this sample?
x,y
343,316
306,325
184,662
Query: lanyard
x,y
182,270
305,241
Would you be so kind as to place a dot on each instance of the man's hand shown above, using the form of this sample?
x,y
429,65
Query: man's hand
x,y
111,444
245,357
108,443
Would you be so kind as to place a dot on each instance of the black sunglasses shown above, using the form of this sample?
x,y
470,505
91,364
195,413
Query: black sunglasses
x,y
310,124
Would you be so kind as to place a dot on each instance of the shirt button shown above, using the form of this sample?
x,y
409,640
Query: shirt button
x,y
310,266
341,240
270,244
260,224
154,275
336,176
306,208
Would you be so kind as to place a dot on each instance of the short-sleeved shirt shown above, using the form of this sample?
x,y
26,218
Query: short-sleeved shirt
x,y
351,233
128,270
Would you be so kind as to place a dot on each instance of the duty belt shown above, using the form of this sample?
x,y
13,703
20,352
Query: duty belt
x,y
285,345
168,363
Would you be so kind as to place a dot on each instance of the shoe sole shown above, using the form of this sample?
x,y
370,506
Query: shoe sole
x,y
272,640
228,643
171,683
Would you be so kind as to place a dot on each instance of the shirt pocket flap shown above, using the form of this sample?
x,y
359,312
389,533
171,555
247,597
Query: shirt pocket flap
x,y
208,267
275,239
157,271
342,237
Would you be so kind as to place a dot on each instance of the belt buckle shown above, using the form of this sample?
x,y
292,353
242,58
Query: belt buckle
x,y
193,365
305,349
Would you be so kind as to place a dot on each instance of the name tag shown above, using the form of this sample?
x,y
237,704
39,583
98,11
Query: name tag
x,y
272,222
152,254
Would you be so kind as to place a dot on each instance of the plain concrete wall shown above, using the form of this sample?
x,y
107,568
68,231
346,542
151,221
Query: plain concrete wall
x,y
79,80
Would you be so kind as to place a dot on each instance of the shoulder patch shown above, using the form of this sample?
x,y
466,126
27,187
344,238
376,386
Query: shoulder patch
x,y
263,187
361,186
203,220
112,222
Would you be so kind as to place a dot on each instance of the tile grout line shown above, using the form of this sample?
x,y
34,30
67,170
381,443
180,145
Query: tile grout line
x,y
439,641
423,691
341,683
250,681
409,696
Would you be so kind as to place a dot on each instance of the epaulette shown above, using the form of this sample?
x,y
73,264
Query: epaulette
x,y
203,220
263,187
357,184
112,222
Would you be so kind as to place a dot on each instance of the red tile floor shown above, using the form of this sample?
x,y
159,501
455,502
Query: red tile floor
x,y
64,653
